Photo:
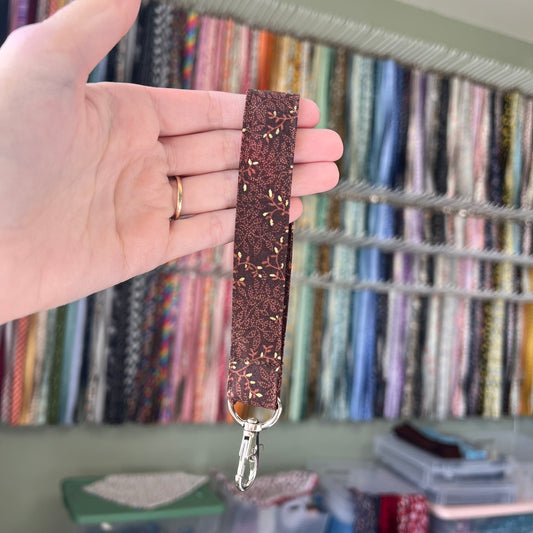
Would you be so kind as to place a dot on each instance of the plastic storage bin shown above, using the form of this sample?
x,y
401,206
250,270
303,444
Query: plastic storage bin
x,y
426,469
295,516
199,512
449,481
472,492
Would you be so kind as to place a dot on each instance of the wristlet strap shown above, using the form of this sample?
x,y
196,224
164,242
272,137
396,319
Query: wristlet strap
x,y
262,252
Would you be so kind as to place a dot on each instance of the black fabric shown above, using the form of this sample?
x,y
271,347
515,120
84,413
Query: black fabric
x,y
4,20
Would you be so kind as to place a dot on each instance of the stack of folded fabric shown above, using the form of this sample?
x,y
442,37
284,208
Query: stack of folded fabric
x,y
389,513
447,468
364,497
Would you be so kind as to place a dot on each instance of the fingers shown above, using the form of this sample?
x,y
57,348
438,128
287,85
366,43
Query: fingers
x,y
213,151
84,31
199,232
181,111
218,190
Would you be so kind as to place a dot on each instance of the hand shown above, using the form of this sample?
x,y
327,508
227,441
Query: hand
x,y
85,198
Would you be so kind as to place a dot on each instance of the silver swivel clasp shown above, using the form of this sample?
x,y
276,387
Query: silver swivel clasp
x,y
248,454
250,447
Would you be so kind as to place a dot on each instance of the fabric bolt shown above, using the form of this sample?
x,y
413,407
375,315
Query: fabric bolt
x,y
40,416
4,20
336,325
403,266
133,341
78,409
388,513
512,245
40,352
475,230
94,401
526,355
225,347
202,354
29,368
147,372
413,514
492,398
366,511
73,379
3,351
527,182
187,361
251,81
438,184
319,257
290,81
17,377
68,360
9,331
382,166
168,281
448,269
115,408
191,36
168,403
142,68
413,225
124,57
56,367
303,397
464,267
218,345
178,28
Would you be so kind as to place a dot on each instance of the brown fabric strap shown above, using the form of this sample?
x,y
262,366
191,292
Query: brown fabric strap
x,y
263,247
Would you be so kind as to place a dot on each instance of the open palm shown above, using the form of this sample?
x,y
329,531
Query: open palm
x,y
85,197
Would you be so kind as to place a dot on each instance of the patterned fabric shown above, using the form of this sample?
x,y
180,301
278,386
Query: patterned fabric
x,y
276,489
366,510
18,369
146,491
263,240
413,514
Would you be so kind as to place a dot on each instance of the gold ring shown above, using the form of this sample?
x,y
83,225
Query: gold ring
x,y
179,200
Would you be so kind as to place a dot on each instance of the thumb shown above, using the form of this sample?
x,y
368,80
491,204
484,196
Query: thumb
x,y
85,31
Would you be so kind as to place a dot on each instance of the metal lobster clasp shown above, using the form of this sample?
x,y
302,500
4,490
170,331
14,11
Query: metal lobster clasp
x,y
248,454
250,447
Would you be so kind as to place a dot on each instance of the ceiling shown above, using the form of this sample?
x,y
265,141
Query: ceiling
x,y
513,18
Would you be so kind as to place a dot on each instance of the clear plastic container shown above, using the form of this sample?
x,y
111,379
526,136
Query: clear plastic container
x,y
465,492
298,515
449,481
427,470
